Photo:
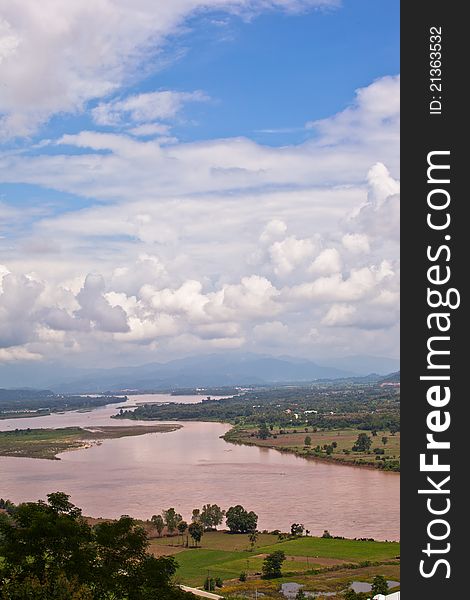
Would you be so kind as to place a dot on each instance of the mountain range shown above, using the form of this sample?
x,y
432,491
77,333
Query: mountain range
x,y
227,369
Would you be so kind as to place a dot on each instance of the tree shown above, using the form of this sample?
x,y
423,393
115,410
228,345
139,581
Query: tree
x,y
196,515
384,440
50,552
363,443
297,529
241,521
272,564
196,531
171,519
211,516
379,585
253,537
300,595
263,432
158,523
182,526
209,584
307,440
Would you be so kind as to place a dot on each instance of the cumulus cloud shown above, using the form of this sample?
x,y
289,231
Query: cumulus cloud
x,y
209,245
328,261
18,304
289,253
356,243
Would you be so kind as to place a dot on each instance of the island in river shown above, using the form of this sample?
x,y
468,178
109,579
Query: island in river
x,y
48,443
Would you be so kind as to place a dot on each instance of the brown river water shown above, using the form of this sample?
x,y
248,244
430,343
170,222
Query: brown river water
x,y
190,467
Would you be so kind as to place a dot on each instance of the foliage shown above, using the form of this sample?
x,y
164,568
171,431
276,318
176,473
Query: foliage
x,y
379,585
264,432
49,552
171,519
211,516
240,520
196,531
363,443
272,564
297,529
158,523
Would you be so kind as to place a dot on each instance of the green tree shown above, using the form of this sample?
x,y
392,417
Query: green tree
x,y
171,519
240,520
211,516
209,584
363,443
384,440
182,526
263,432
300,595
196,515
272,564
196,531
49,552
297,529
253,537
158,523
379,585
58,588
307,440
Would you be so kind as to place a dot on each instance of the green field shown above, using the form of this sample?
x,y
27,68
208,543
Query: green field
x,y
310,560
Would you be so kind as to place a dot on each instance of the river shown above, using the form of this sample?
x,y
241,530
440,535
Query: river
x,y
190,467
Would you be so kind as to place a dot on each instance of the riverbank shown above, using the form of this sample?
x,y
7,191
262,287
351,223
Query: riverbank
x,y
49,443
331,445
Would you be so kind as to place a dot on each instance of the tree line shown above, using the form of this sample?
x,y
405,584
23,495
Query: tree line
x,y
237,518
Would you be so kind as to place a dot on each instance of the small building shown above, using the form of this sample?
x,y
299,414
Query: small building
x,y
394,596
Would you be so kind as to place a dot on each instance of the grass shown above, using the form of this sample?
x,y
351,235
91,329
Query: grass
x,y
48,443
293,440
220,540
226,556
194,565
349,550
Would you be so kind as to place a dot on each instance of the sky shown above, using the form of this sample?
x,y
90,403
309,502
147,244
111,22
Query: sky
x,y
198,176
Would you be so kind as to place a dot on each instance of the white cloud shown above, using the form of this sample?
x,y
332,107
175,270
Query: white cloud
x,y
19,296
217,244
144,108
57,56
327,262
339,314
290,253
356,243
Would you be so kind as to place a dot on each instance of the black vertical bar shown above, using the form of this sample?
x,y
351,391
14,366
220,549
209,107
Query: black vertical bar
x,y
433,119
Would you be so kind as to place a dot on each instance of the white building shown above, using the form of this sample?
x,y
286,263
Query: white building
x,y
394,596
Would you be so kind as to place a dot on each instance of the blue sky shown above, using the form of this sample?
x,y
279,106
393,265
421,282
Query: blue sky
x,y
127,138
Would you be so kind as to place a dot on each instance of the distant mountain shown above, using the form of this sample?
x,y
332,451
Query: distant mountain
x,y
364,365
391,378
225,369
202,371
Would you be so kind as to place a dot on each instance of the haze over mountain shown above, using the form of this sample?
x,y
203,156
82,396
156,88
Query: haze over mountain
x,y
231,368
